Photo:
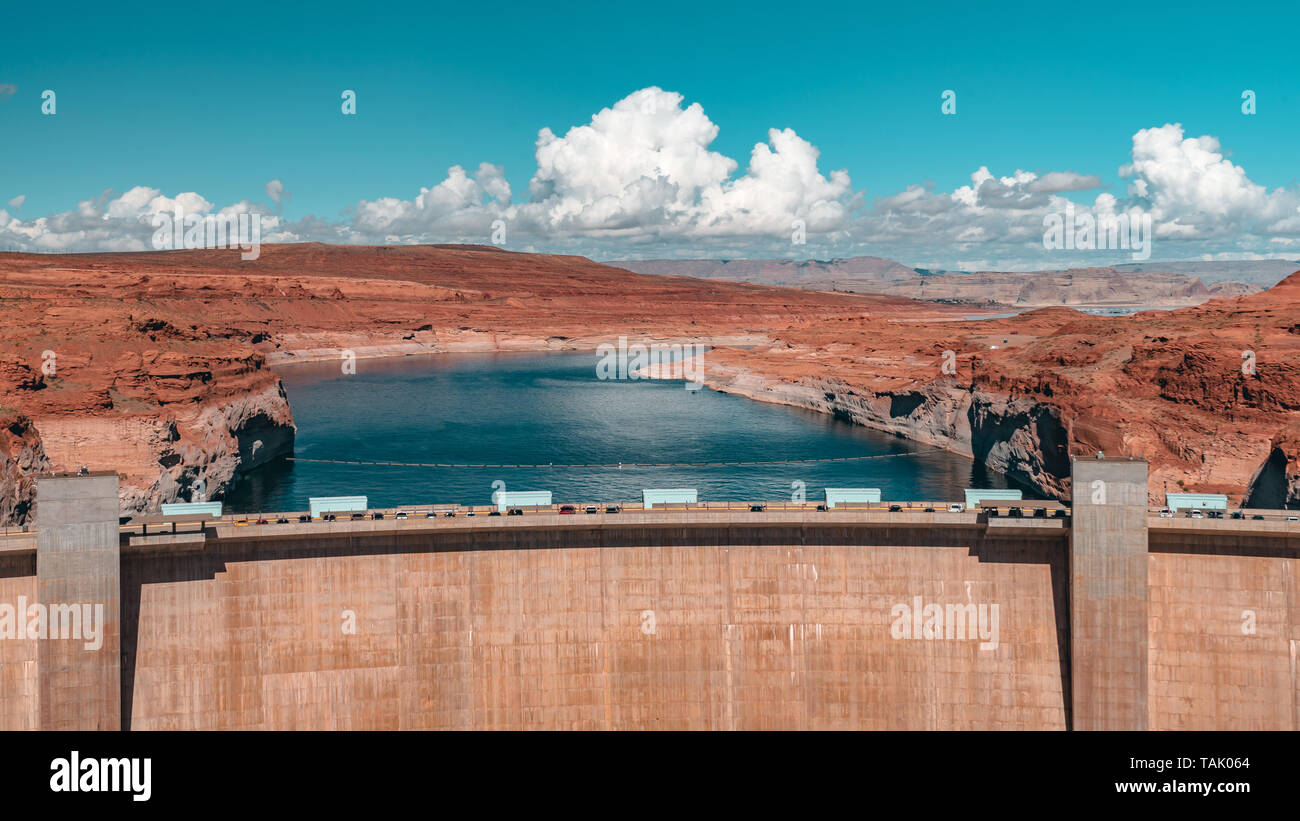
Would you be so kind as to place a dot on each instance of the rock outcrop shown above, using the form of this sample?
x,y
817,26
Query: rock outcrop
x,y
22,457
1209,395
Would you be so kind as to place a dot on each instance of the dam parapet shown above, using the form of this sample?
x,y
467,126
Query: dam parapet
x,y
1107,616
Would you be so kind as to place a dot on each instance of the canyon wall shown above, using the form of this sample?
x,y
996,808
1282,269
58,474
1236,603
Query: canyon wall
x,y
1210,395
22,458
1021,438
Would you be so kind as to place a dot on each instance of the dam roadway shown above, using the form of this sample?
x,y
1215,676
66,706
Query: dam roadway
x,y
789,618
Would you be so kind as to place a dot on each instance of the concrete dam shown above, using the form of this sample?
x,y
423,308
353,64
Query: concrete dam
x,y
1111,618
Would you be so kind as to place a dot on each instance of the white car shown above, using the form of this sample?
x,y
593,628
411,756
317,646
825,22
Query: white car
x,y
956,508
1166,513
1293,518
1196,514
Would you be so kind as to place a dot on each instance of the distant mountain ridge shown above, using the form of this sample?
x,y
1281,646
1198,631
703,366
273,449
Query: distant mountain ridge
x,y
798,273
1163,284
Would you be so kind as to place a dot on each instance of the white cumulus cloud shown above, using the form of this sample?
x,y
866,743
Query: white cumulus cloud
x,y
641,178
275,190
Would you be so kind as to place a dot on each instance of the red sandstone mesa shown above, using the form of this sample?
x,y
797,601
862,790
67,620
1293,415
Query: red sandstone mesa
x,y
163,363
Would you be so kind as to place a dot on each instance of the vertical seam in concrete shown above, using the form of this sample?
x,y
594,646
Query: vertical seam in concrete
x,y
604,631
1289,568
728,633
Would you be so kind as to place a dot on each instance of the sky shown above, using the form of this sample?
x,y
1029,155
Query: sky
x,y
806,130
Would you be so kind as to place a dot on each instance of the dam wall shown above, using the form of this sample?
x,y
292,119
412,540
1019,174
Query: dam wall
x,y
750,629
19,683
691,620
1224,633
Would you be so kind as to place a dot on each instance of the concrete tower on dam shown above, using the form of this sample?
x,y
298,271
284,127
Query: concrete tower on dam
x,y
1111,618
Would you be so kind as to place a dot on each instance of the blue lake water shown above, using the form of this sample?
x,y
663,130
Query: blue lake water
x,y
552,409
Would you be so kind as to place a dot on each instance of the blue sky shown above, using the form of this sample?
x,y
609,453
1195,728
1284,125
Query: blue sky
x,y
182,100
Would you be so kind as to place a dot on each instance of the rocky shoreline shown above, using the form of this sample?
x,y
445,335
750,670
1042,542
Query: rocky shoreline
x,y
1020,438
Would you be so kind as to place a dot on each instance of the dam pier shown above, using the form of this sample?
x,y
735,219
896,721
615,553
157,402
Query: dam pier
x,y
1107,616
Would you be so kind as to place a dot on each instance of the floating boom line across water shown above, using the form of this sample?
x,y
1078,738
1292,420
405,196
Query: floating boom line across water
x,y
616,465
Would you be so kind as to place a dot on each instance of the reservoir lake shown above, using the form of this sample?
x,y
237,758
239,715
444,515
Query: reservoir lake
x,y
551,409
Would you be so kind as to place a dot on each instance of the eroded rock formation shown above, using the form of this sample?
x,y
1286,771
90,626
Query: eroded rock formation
x,y
1210,395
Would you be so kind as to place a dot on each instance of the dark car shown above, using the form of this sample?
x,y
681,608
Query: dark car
x,y
822,507
1059,513
515,511
929,510
282,521
756,508
1237,514
376,515
1016,513
1040,513
495,513
895,508
263,522
358,516
994,512
329,517
613,509
1257,518
568,509
306,517
451,514
432,514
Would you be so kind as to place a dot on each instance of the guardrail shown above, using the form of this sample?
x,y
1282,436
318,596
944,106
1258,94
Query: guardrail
x,y
155,525
1241,514
603,508
160,525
